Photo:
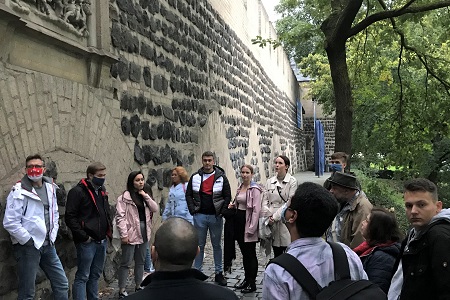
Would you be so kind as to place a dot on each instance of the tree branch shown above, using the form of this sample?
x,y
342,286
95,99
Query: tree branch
x,y
406,9
422,58
339,22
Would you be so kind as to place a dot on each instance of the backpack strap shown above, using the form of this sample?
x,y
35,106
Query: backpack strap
x,y
299,272
341,268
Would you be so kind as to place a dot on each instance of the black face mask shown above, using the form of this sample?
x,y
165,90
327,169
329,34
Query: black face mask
x,y
98,181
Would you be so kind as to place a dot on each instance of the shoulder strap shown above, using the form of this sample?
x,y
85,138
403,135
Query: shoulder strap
x,y
299,272
184,187
341,268
279,193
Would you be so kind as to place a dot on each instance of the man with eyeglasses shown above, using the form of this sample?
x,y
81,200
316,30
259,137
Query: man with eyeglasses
x,y
88,215
31,218
310,213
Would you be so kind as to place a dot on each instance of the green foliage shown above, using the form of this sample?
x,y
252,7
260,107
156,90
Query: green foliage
x,y
384,193
399,75
261,42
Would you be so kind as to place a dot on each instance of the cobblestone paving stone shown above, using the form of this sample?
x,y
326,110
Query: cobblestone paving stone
x,y
237,273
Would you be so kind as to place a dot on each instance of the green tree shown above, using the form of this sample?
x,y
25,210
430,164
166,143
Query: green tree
x,y
308,26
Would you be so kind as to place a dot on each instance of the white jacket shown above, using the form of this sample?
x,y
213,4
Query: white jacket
x,y
24,213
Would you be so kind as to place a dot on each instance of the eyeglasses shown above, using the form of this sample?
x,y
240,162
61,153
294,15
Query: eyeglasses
x,y
34,166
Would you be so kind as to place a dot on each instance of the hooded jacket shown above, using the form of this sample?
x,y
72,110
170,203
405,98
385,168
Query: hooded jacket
x,y
425,257
221,191
24,213
83,213
127,218
252,212
378,262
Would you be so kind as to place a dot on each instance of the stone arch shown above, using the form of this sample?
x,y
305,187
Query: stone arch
x,y
70,125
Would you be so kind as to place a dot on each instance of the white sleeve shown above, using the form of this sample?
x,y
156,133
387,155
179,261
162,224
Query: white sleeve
x,y
12,221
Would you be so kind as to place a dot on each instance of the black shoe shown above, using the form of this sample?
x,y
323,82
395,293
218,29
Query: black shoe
x,y
220,279
242,285
139,289
249,289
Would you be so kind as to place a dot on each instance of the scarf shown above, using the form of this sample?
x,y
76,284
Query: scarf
x,y
364,248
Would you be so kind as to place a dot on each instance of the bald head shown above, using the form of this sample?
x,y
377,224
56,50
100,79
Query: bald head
x,y
176,244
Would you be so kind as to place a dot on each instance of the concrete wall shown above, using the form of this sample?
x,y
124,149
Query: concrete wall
x,y
153,85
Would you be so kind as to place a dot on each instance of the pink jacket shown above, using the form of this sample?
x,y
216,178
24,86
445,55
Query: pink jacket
x,y
254,195
127,218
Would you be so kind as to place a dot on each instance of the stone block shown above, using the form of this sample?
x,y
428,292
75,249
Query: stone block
x,y
153,135
135,123
168,113
141,104
147,77
125,126
139,156
135,72
145,130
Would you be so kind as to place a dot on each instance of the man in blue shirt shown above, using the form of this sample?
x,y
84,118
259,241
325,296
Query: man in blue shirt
x,y
310,213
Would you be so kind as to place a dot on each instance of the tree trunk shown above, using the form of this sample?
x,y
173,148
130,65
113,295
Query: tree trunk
x,y
343,96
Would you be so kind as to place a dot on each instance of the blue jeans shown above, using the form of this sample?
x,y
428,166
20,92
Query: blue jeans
x,y
215,225
90,260
29,259
148,264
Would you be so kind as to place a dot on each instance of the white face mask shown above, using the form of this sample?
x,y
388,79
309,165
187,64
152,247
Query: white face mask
x,y
35,178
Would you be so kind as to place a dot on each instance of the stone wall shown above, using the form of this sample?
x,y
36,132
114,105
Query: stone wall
x,y
146,85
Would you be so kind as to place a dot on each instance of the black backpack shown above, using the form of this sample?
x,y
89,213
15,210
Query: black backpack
x,y
343,287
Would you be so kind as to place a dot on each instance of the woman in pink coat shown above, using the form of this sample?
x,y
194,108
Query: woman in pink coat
x,y
248,204
133,216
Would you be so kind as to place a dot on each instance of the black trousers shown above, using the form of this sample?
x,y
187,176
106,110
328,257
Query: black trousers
x,y
229,251
248,250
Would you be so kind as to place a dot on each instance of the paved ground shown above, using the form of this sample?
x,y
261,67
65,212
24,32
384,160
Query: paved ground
x,y
237,273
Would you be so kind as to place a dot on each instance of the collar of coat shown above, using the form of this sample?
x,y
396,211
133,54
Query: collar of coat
x,y
286,178
174,275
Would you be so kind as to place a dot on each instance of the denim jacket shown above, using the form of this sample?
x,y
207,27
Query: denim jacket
x,y
176,205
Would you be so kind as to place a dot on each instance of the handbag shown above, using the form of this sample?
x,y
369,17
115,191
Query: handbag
x,y
264,229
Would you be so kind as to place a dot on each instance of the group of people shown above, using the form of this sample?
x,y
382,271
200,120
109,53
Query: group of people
x,y
301,219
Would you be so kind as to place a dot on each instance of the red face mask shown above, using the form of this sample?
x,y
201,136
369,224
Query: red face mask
x,y
35,174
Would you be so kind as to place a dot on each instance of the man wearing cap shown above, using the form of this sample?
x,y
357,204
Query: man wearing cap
x,y
354,208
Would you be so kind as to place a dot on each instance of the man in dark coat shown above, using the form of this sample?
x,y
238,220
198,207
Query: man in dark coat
x,y
207,194
423,269
174,249
88,217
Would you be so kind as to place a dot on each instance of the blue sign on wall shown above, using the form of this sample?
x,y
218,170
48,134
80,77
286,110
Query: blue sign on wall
x,y
319,149
299,114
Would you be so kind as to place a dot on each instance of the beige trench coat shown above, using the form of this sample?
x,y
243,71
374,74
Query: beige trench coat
x,y
273,205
